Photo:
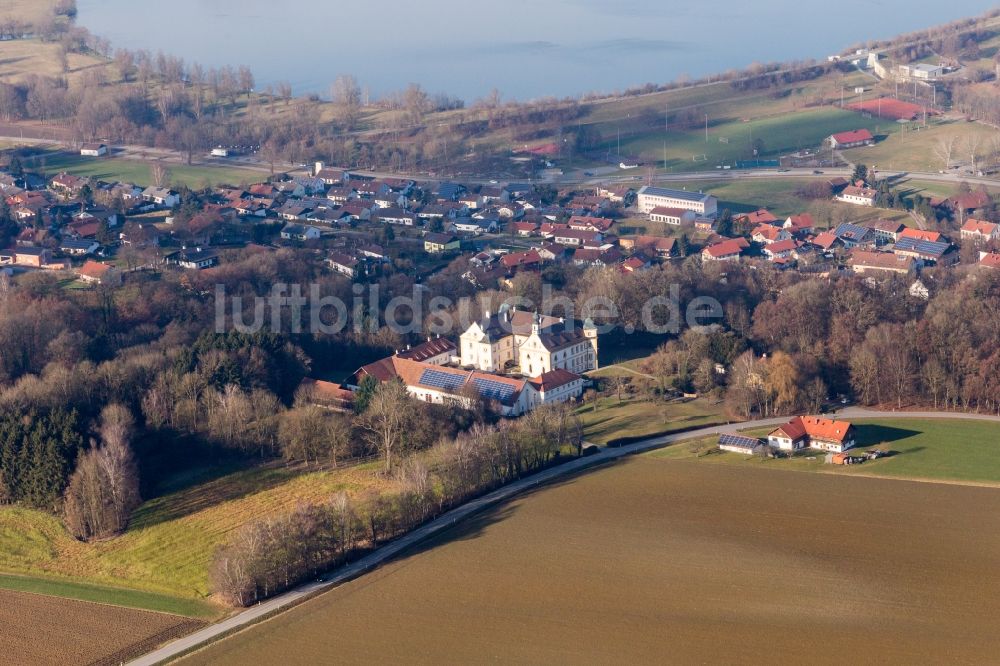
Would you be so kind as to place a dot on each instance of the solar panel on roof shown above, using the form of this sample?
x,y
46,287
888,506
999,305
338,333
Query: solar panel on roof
x,y
728,439
493,390
442,380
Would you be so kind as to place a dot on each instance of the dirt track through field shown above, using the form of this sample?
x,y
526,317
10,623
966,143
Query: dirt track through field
x,y
39,630
656,560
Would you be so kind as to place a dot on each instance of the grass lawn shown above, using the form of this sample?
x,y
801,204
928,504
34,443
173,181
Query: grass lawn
x,y
638,418
113,596
778,195
730,139
937,449
914,150
139,172
169,543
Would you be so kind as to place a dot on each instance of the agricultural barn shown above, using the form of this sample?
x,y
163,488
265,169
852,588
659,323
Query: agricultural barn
x,y
739,443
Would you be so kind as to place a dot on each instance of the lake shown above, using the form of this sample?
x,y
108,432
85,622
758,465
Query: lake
x,y
526,49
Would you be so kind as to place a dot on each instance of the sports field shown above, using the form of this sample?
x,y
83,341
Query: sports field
x,y
41,630
664,561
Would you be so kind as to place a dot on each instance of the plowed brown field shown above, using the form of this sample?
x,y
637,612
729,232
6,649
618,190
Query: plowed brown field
x,y
40,630
674,561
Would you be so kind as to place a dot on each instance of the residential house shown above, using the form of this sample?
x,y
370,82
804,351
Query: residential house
x,y
161,196
989,260
450,191
980,231
853,235
552,252
586,223
593,256
300,232
729,249
814,432
193,258
658,246
344,264
93,272
858,196
885,231
67,185
471,225
783,249
516,261
867,261
437,243
636,263
524,229
373,251
78,247
755,219
573,238
357,209
766,234
922,235
396,216
799,225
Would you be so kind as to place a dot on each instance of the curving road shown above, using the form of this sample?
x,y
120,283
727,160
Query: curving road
x,y
448,520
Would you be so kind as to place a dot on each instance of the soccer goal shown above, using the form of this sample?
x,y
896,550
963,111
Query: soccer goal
x,y
723,139
699,158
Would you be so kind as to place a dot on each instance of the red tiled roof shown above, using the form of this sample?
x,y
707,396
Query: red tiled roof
x,y
94,270
973,226
726,248
854,136
920,234
815,427
554,379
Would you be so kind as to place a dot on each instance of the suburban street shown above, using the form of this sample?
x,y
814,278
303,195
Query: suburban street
x,y
441,524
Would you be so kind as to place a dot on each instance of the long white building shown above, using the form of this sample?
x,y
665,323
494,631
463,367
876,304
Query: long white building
x,y
649,198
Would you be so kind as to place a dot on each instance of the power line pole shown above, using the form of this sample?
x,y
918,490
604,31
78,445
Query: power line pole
x,y
706,128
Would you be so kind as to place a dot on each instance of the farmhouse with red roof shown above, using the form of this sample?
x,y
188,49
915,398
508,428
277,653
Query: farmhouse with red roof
x,y
813,432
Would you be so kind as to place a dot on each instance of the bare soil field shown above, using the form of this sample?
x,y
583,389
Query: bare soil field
x,y
41,630
671,561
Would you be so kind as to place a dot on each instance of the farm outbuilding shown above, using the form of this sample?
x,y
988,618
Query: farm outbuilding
x,y
739,443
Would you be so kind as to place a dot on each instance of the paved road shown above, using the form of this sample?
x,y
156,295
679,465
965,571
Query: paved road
x,y
602,175
448,520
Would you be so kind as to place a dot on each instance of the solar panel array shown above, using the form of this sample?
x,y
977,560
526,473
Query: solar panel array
x,y
927,247
442,380
493,390
738,440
